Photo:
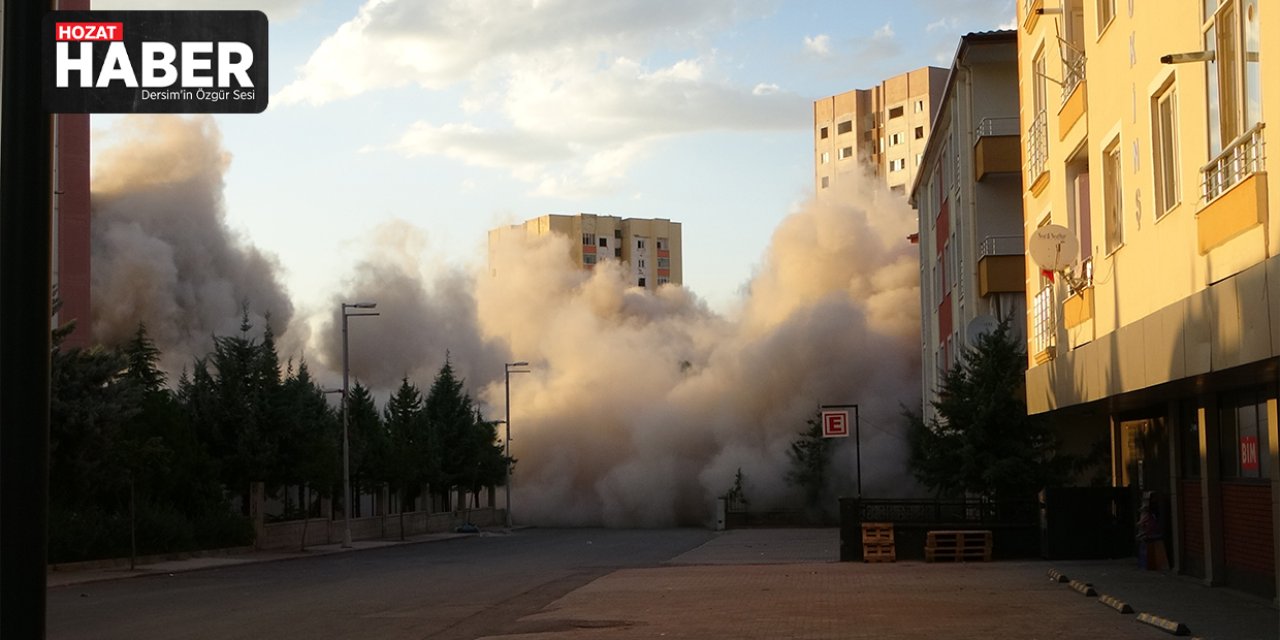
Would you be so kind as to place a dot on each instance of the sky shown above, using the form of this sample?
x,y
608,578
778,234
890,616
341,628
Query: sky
x,y
457,116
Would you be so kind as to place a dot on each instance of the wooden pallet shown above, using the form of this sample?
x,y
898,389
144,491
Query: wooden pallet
x,y
877,542
958,546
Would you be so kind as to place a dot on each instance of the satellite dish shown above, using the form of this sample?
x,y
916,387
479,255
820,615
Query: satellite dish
x,y
980,326
1053,247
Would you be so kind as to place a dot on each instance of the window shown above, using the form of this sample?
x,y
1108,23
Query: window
x,y
826,182
617,234
662,244
844,127
588,238
641,263
846,152
824,133
604,242
639,243
1233,96
617,252
1112,196
881,144
588,258
898,189
919,107
1164,139
897,165
1244,433
826,157
895,139
895,112
640,282
1106,13
664,263
662,280
919,133
919,158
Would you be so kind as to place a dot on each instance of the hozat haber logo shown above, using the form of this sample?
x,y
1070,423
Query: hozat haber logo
x,y
155,61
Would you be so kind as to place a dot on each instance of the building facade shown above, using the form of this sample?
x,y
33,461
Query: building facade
x,y
884,128
1144,136
968,196
650,249
70,260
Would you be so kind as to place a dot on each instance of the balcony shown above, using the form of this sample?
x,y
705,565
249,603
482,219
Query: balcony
x,y
1001,266
998,148
1234,187
1038,153
1073,88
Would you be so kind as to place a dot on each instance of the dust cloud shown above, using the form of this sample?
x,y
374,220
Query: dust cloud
x,y
639,406
162,252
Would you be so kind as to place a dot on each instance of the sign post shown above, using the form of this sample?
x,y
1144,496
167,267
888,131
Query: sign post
x,y
835,424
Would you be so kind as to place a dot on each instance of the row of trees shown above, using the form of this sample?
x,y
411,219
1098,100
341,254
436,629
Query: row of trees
x,y
129,453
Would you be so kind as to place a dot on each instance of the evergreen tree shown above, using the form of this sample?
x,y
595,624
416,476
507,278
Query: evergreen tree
x,y
810,455
407,463
369,439
451,418
983,443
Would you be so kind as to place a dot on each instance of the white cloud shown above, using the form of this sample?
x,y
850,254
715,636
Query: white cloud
x,y
819,45
884,32
568,83
276,10
943,24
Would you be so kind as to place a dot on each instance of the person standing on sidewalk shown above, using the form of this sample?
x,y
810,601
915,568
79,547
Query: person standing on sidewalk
x,y
1151,551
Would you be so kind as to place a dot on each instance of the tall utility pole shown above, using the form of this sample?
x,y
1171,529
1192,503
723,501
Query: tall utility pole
x,y
346,420
507,484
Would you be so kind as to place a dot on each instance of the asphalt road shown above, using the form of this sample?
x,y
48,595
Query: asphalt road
x,y
451,590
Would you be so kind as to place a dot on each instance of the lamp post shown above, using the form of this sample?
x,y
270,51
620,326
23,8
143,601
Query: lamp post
x,y
346,439
508,423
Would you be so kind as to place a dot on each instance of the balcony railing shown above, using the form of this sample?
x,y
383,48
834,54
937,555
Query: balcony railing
x,y
1003,126
1044,325
1243,157
1037,146
1072,68
1000,246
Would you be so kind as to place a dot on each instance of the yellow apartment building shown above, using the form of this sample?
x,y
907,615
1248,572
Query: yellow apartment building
x,y
650,249
884,127
1144,136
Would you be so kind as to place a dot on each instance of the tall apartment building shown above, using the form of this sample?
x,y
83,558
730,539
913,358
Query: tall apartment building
x,y
968,194
650,249
1144,137
70,240
884,127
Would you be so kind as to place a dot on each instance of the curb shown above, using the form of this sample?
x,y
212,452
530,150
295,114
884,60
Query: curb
x,y
1056,576
1164,624
1084,588
148,571
1118,605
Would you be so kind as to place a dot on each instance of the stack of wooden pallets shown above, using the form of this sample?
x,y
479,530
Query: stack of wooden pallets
x,y
958,546
877,542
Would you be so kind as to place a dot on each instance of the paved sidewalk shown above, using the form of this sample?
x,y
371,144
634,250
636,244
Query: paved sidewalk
x,y
62,578
781,583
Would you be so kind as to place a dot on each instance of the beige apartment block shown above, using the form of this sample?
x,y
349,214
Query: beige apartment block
x,y
650,249
968,196
1143,134
882,129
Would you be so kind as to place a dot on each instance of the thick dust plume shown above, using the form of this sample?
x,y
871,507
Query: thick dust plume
x,y
640,407
426,312
162,252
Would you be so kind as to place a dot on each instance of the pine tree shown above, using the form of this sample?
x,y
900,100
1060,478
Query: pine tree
x,y
407,463
983,443
810,455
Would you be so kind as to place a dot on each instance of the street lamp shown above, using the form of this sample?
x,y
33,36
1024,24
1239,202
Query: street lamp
x,y
509,371
346,440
